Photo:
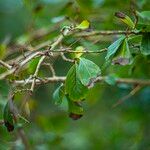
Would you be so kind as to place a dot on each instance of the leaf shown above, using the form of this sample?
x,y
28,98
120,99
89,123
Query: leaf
x,y
144,16
59,94
7,115
87,70
126,19
79,51
123,55
114,47
143,20
83,25
75,109
74,88
145,45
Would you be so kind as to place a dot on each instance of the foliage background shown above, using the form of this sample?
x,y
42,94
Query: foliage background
x,y
101,127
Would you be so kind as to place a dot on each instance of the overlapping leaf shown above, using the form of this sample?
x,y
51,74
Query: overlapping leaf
x,y
87,70
59,94
114,47
123,55
74,88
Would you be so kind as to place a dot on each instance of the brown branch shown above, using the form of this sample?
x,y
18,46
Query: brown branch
x,y
144,82
133,92
93,33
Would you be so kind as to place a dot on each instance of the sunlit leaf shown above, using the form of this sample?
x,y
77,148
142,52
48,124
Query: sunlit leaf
x,y
83,25
79,51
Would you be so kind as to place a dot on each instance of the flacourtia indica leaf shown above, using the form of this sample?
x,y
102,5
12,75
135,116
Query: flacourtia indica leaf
x,y
83,25
114,47
87,70
126,19
59,94
75,109
73,86
123,55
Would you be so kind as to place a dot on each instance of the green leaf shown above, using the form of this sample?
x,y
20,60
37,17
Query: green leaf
x,y
145,45
75,109
76,90
126,19
7,115
83,25
114,47
143,20
144,16
87,70
123,55
59,94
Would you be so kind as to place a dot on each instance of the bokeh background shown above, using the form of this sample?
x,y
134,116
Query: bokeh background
x,y
126,127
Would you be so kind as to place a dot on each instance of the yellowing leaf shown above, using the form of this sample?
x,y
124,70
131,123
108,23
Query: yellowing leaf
x,y
83,25
79,51
126,19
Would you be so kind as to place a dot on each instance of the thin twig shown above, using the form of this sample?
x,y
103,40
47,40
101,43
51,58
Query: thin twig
x,y
65,58
133,92
51,68
36,72
5,64
93,33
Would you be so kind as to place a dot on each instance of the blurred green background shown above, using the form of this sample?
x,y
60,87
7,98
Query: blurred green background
x,y
126,127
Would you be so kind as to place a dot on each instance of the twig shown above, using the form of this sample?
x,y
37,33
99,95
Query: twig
x,y
93,33
144,82
85,51
20,65
5,64
65,58
133,92
51,68
43,80
36,72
